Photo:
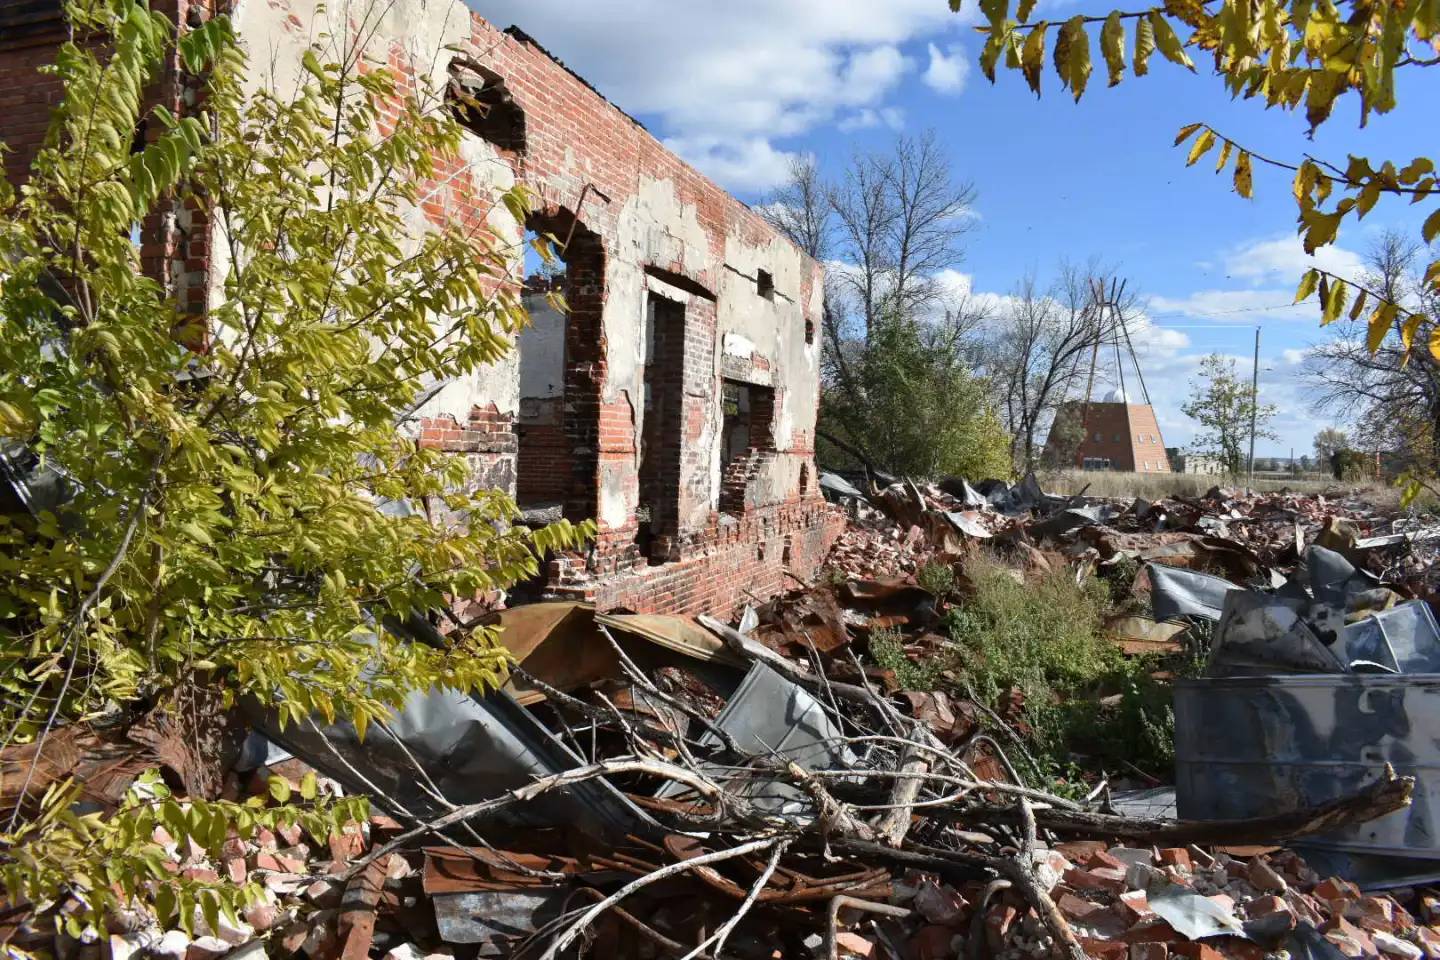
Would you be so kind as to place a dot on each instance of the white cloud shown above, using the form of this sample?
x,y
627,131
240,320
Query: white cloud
x,y
1267,271
1283,258
747,72
948,70
1235,306
748,164
869,117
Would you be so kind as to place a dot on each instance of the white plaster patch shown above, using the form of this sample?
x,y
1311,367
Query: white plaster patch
x,y
739,345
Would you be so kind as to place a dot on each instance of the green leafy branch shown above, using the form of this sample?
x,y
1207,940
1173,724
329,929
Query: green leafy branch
x,y
104,862
1287,51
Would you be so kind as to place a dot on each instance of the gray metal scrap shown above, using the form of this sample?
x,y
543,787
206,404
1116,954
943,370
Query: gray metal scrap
x,y
1245,746
1184,593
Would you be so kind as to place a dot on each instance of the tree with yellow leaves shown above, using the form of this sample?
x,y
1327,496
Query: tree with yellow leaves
x,y
1288,53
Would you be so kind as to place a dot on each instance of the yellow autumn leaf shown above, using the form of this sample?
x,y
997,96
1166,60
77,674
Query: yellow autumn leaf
x,y
1408,328
1144,45
1225,148
1307,285
1359,306
1077,60
1431,226
1334,303
1112,45
1380,322
1202,143
1244,177
1168,42
1185,132
1032,56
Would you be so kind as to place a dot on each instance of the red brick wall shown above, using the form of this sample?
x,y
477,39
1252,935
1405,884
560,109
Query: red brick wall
x,y
1128,435
744,559
26,99
486,438
584,160
543,462
174,240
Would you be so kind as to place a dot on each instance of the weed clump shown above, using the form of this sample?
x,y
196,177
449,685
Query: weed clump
x,y
1043,637
887,648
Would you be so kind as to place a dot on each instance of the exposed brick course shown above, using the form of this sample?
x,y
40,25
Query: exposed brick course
x,y
587,162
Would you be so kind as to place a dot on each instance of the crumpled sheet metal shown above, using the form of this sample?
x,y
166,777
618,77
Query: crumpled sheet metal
x,y
1192,915
1185,593
1335,581
472,749
1137,635
559,642
1248,746
1405,639
1261,633
769,715
834,487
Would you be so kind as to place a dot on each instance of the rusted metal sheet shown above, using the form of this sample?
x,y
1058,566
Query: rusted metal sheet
x,y
1245,746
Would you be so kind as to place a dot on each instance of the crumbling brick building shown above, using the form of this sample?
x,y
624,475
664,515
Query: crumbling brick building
x,y
674,403
1113,434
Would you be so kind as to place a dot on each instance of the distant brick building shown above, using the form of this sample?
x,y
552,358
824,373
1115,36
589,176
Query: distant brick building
x,y
1108,435
674,403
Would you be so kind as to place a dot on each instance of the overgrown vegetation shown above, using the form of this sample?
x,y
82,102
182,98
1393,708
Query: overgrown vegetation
x,y
223,529
1035,650
916,408
1293,55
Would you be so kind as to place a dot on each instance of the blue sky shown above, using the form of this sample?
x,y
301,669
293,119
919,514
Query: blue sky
x,y
737,87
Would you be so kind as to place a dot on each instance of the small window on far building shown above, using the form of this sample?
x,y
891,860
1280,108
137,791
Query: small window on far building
x,y
1119,438
765,284
1099,437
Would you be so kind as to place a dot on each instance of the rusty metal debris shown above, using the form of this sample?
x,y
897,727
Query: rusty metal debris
x,y
650,786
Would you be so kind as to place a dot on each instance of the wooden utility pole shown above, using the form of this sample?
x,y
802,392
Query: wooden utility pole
x,y
1254,405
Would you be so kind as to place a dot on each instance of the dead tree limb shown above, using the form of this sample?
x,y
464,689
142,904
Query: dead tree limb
x,y
1384,796
893,826
484,808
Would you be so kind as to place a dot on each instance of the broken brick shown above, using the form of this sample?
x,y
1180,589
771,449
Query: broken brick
x,y
940,905
1333,888
997,925
853,945
1260,906
1077,908
1133,905
1149,951
1196,950
1101,878
1176,857
932,942
1105,949
1152,931
1264,878
1078,851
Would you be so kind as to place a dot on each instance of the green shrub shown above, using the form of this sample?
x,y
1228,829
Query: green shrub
x,y
1081,696
887,648
938,578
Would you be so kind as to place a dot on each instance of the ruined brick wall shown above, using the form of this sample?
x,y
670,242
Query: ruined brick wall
x,y
1128,435
643,227
747,557
29,34
174,239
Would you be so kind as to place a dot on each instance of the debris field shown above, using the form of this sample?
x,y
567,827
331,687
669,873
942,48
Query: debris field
x,y
657,786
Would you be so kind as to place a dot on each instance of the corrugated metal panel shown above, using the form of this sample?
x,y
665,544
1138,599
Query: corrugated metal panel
x,y
1247,746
